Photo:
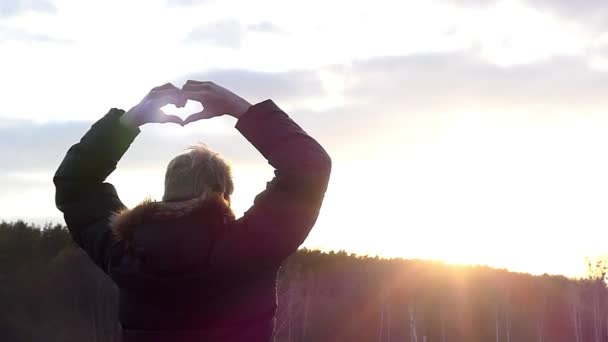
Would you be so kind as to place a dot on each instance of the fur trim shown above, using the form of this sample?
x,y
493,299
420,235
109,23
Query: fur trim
x,y
125,222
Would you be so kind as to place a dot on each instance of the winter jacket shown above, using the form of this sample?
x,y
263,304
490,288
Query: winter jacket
x,y
191,271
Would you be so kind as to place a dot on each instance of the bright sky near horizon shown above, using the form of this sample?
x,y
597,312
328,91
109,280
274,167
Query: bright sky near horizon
x,y
468,131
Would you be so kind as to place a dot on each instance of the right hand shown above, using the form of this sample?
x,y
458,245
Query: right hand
x,y
148,110
216,100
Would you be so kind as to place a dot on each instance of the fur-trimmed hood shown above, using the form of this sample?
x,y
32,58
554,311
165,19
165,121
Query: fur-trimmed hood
x,y
213,209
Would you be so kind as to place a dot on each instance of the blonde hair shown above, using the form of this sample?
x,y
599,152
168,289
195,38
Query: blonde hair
x,y
197,172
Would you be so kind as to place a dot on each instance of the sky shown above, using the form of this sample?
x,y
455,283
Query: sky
x,y
467,131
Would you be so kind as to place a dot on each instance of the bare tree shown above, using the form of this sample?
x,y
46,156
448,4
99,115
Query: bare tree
x,y
413,334
539,330
385,322
443,336
307,299
496,323
508,323
388,323
575,315
288,286
596,273
540,322
380,330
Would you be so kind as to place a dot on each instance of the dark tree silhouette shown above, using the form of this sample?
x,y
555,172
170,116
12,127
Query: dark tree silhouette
x,y
51,291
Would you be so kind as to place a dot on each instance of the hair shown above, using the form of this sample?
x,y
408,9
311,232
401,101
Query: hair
x,y
197,172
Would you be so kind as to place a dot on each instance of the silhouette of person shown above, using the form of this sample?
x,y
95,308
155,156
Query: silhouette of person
x,y
186,268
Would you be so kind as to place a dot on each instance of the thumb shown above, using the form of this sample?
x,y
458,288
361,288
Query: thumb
x,y
204,114
164,118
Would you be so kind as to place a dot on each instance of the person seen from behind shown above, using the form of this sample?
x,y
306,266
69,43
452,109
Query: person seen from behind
x,y
186,268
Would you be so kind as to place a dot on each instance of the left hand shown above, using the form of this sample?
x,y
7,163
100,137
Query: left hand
x,y
148,110
216,100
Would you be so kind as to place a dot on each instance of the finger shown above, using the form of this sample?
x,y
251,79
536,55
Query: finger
x,y
181,102
204,114
164,92
165,86
154,106
197,95
176,96
171,118
197,86
197,82
161,98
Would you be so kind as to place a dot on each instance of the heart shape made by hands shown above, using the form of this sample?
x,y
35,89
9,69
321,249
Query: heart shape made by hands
x,y
184,112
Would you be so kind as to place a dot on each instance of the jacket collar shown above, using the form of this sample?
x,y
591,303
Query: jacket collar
x,y
214,206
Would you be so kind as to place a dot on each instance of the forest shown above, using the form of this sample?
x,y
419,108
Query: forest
x,y
50,291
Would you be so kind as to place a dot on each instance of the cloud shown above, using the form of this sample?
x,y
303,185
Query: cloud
x,y
229,33
10,8
186,3
19,35
391,104
16,182
226,33
265,27
294,86
473,3
389,99
29,147
590,13
26,146
33,147
380,95
448,81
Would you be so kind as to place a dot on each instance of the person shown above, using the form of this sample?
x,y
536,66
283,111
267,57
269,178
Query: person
x,y
185,267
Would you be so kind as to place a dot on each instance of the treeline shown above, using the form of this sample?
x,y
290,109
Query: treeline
x,y
23,244
50,291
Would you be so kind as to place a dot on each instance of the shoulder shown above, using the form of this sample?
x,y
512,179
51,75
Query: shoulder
x,y
211,210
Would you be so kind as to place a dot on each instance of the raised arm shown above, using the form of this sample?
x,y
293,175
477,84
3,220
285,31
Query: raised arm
x,y
283,214
86,201
81,194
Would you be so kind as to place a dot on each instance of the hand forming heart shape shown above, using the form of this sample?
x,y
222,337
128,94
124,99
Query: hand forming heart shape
x,y
215,100
190,107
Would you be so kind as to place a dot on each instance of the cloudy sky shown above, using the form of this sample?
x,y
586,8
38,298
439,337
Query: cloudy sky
x,y
469,131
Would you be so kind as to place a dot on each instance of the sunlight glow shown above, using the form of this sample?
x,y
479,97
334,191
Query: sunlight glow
x,y
483,192
424,170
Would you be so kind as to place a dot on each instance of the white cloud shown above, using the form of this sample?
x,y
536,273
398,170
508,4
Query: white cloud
x,y
188,3
289,86
379,96
125,61
461,81
265,27
8,34
593,13
14,7
227,33
29,147
590,13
